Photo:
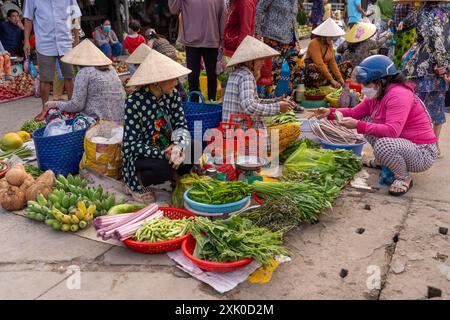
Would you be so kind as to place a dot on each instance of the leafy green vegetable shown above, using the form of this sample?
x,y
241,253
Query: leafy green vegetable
x,y
184,184
282,118
314,91
235,239
30,126
219,192
34,171
294,146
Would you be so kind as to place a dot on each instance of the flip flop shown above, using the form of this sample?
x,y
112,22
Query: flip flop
x,y
400,184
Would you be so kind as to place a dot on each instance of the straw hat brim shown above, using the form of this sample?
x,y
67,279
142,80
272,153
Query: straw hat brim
x,y
157,68
251,49
360,32
139,55
86,54
328,28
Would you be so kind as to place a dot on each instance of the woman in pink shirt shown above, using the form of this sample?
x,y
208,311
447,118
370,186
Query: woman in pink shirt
x,y
393,119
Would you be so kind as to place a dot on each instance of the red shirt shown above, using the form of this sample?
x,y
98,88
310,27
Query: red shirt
x,y
131,44
240,23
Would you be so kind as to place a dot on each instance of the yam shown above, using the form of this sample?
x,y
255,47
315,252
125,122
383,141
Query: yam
x,y
48,178
3,184
13,199
16,176
29,181
36,189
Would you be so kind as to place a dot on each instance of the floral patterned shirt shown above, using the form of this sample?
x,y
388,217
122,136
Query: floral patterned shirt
x,y
150,126
432,42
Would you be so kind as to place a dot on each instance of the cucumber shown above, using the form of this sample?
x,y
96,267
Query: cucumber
x,y
126,208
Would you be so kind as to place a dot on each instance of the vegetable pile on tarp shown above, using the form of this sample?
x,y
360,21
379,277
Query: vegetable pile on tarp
x,y
279,119
219,192
235,239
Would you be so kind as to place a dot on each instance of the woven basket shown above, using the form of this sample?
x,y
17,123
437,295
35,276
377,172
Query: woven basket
x,y
62,153
209,114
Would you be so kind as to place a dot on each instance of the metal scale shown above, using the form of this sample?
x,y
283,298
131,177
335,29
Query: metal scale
x,y
250,167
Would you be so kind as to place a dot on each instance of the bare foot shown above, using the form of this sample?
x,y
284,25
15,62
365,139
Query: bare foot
x,y
40,116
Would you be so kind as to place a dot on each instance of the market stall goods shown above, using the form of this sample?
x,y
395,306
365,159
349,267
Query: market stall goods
x,y
332,132
219,192
22,85
234,239
18,186
11,141
30,126
23,152
164,229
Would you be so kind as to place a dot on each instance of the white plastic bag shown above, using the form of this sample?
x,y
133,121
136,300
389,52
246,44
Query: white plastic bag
x,y
57,127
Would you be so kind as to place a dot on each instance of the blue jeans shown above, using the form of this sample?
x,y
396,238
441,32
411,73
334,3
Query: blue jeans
x,y
114,50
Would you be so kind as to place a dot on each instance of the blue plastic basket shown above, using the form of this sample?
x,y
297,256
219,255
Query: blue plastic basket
x,y
218,209
209,114
62,153
355,148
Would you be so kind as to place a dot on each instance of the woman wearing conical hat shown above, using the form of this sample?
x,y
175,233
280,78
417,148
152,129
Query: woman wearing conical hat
x,y
321,66
98,91
241,95
359,43
155,129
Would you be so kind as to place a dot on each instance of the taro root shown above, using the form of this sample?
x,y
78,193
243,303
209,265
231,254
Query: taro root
x,y
13,199
36,189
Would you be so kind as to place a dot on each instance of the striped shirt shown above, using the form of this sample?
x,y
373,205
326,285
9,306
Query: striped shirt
x,y
241,97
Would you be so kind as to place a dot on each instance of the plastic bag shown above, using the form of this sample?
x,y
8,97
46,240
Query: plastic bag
x,y
103,149
32,68
57,127
37,87
283,84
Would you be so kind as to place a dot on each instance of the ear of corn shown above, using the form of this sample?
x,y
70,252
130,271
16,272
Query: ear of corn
x,y
287,133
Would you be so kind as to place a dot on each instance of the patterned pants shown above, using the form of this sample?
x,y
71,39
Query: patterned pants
x,y
402,156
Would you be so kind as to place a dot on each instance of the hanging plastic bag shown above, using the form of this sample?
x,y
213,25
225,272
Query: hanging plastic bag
x,y
57,127
32,69
37,87
283,84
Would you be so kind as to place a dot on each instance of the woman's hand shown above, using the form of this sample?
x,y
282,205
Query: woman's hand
x,y
349,123
175,156
285,106
319,113
335,84
440,71
400,26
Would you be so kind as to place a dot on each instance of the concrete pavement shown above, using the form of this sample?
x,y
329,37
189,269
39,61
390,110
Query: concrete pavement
x,y
392,251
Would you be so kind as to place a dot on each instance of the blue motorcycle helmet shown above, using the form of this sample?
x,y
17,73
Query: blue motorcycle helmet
x,y
373,68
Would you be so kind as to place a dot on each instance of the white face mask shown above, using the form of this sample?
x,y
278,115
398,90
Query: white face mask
x,y
369,92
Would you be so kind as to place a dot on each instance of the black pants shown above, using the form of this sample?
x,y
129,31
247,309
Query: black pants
x,y
157,171
193,58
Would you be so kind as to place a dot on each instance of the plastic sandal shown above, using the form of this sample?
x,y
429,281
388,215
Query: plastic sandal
x,y
400,184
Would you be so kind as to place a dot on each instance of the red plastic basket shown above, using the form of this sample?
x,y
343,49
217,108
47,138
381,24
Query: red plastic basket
x,y
188,248
3,173
163,246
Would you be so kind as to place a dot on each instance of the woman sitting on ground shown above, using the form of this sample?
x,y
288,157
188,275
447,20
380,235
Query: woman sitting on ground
x,y
241,95
155,129
393,119
98,90
320,55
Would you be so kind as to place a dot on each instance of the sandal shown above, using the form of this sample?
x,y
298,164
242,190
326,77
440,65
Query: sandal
x,y
402,185
371,163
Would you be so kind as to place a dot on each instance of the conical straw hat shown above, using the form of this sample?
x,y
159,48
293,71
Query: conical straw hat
x,y
86,54
139,55
328,28
251,49
360,32
156,68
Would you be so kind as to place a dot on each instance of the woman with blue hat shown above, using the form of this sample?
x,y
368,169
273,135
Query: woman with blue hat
x,y
393,119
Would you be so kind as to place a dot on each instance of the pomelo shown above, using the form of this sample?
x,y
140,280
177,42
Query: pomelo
x,y
11,141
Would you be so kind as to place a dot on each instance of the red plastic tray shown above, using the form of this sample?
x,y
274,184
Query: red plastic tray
x,y
315,96
163,246
188,248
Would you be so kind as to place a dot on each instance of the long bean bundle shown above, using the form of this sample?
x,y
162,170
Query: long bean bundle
x,y
332,132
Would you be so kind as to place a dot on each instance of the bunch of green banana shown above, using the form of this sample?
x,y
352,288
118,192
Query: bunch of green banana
x,y
38,210
91,195
62,201
78,218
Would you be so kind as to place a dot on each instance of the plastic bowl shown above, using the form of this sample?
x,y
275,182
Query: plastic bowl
x,y
355,148
215,208
188,248
333,102
162,246
315,96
